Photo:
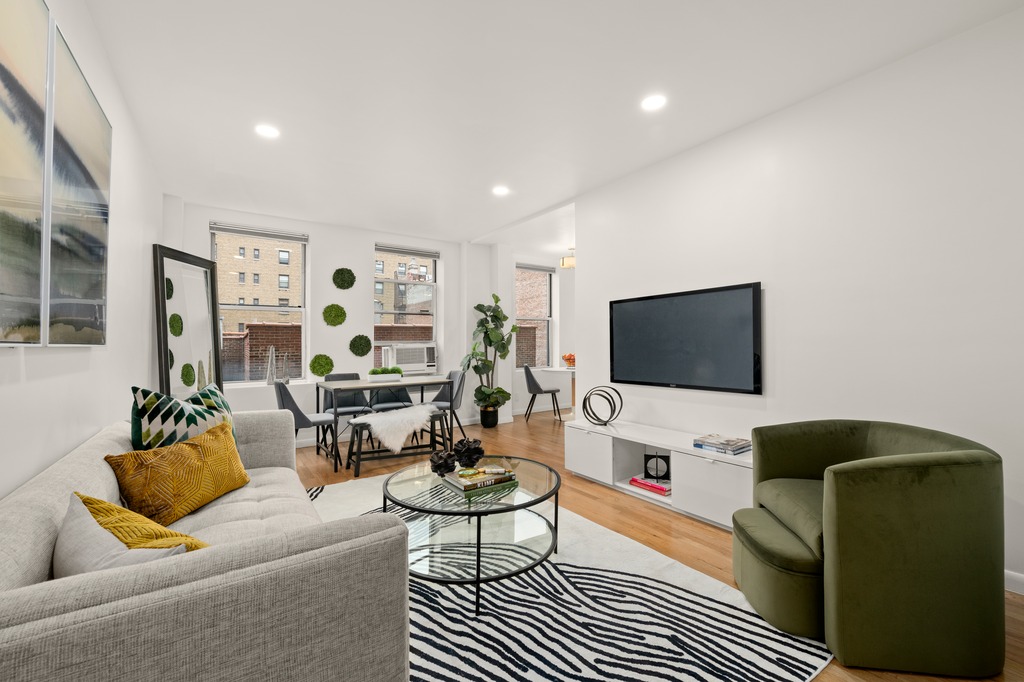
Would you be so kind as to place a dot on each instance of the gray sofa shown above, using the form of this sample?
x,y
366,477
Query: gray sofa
x,y
278,594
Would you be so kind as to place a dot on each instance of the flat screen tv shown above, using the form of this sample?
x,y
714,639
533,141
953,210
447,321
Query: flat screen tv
x,y
708,339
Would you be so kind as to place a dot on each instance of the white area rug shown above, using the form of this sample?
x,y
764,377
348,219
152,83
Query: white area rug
x,y
603,608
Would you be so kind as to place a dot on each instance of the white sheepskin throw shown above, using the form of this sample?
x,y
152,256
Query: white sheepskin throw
x,y
393,427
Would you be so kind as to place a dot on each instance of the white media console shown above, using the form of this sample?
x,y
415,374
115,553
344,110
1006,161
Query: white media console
x,y
705,484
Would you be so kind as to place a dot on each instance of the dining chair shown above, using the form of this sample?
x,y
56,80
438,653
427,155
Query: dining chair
x,y
535,389
350,403
323,423
384,399
444,401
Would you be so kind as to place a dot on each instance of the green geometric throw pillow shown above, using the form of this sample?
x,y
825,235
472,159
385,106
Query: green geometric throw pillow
x,y
159,420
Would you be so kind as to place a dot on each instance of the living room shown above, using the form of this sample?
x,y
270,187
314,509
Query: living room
x,y
878,211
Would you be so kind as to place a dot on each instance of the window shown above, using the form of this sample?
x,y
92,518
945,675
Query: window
x,y
249,325
241,252
403,309
533,315
282,281
283,257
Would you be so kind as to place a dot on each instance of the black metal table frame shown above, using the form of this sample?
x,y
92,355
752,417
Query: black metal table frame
x,y
379,453
477,580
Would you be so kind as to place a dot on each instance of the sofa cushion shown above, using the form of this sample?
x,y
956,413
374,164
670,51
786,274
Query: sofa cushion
x,y
135,530
83,545
167,483
274,501
773,543
797,503
159,419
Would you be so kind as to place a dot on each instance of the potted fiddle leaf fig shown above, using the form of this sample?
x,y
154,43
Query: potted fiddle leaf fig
x,y
491,343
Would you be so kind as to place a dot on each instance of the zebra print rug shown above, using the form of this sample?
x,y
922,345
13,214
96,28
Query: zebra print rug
x,y
605,608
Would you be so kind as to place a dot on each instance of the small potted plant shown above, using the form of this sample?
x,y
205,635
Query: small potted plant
x,y
384,374
494,344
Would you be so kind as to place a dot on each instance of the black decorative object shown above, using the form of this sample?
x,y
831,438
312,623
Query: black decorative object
x,y
613,402
344,278
442,462
468,452
656,468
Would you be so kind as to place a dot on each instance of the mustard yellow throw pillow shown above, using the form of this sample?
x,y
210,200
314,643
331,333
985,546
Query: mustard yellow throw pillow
x,y
164,484
135,530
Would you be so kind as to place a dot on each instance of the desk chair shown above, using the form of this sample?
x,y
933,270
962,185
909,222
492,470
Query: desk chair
x,y
323,423
535,389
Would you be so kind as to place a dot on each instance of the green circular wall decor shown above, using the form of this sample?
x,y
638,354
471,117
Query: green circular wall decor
x,y
334,315
360,345
176,324
168,288
170,362
321,365
344,278
188,374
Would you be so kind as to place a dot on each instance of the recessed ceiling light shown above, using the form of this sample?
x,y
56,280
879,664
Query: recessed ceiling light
x,y
653,102
268,131
500,191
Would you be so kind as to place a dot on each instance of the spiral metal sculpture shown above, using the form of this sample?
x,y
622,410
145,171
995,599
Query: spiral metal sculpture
x,y
613,403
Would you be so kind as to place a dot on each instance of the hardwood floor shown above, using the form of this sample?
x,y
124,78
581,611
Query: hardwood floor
x,y
699,545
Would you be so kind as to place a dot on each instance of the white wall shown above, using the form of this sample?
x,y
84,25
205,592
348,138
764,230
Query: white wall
x,y
884,220
54,398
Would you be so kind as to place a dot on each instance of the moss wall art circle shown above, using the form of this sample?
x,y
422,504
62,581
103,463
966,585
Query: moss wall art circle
x,y
360,345
344,278
321,365
188,374
334,315
176,324
170,363
169,288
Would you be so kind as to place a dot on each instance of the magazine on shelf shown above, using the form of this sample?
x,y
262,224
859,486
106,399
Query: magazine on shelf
x,y
727,446
659,486
465,482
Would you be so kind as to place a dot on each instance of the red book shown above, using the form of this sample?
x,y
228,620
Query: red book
x,y
647,485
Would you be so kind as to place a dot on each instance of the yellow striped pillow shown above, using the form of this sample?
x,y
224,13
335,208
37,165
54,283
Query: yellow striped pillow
x,y
135,530
165,484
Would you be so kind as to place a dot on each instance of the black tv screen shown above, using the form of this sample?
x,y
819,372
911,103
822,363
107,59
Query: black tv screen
x,y
708,339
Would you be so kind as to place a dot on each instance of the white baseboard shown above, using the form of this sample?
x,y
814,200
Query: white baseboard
x,y
1014,582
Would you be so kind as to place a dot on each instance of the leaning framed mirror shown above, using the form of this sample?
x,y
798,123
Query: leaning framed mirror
x,y
187,329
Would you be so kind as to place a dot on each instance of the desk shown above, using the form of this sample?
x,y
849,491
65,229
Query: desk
x,y
372,386
563,370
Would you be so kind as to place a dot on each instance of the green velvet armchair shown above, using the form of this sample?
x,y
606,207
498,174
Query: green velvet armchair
x,y
885,540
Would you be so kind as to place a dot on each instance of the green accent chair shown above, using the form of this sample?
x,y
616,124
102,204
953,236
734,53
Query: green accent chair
x,y
884,540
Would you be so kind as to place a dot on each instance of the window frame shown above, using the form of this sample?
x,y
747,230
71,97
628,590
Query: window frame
x,y
284,257
284,279
549,320
400,282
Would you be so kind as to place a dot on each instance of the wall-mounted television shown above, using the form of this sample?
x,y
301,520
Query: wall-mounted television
x,y
709,339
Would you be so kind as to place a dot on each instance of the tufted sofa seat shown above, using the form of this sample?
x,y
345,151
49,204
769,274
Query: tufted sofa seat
x,y
262,602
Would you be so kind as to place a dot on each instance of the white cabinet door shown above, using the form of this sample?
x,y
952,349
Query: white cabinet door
x,y
710,489
589,454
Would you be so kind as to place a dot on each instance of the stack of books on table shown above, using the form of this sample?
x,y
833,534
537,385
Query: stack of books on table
x,y
726,446
659,486
489,479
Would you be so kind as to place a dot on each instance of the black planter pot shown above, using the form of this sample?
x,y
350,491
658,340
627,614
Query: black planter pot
x,y
488,417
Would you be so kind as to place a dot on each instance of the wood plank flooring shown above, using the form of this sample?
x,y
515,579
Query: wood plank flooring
x,y
701,546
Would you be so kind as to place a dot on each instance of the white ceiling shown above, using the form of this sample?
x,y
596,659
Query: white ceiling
x,y
400,115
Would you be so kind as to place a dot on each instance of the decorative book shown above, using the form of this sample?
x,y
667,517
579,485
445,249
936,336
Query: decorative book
x,y
661,487
727,446
474,479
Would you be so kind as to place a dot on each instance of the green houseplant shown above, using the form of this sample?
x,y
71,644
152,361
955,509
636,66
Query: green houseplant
x,y
491,343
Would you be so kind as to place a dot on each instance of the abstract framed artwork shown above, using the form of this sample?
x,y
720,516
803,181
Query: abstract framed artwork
x,y
24,39
187,323
54,187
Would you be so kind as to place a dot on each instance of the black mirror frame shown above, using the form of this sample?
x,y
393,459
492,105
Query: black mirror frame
x,y
160,255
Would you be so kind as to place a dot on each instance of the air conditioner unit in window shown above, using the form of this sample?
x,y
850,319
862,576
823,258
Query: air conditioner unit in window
x,y
413,358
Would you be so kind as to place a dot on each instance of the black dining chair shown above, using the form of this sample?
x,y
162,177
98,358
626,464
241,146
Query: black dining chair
x,y
443,401
323,423
535,389
350,403
384,399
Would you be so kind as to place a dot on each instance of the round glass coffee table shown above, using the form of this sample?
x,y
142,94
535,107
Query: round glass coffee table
x,y
489,535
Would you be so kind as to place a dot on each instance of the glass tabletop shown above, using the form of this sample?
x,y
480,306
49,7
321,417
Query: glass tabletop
x,y
420,489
